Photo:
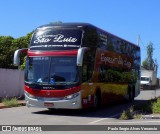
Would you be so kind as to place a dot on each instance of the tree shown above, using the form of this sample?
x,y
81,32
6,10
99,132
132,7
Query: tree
x,y
8,45
6,50
22,42
149,63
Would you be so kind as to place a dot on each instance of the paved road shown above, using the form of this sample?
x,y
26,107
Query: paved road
x,y
105,116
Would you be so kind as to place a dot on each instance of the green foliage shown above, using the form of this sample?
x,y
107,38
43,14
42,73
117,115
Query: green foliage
x,y
6,51
10,102
136,111
8,45
127,114
156,106
130,113
149,63
137,116
145,64
22,67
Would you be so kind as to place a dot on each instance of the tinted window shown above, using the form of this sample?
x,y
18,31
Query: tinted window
x,y
90,37
88,66
102,40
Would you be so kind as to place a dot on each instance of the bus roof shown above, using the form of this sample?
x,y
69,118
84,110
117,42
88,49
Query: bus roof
x,y
65,25
81,25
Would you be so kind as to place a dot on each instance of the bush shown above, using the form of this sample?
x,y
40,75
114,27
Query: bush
x,y
136,111
156,106
10,102
127,114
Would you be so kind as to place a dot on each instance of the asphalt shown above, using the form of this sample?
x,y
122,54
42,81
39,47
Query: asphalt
x,y
149,116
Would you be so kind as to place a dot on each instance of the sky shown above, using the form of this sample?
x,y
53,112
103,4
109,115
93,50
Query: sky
x,y
124,18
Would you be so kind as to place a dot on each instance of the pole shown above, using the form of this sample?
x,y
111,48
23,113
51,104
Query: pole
x,y
138,40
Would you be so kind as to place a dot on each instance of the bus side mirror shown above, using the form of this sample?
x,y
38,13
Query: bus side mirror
x,y
16,60
80,54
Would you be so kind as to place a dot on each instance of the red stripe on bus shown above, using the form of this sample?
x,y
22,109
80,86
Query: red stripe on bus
x,y
52,53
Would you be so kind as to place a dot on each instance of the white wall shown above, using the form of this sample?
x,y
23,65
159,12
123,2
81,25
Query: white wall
x,y
11,83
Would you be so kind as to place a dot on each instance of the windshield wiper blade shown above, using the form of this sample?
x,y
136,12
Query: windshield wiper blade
x,y
30,83
64,83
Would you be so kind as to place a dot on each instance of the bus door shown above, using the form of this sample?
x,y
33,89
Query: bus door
x,y
87,78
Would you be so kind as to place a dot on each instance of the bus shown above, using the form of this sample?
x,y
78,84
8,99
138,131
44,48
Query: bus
x,y
78,66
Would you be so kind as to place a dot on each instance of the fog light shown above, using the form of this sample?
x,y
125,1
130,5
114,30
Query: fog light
x,y
74,102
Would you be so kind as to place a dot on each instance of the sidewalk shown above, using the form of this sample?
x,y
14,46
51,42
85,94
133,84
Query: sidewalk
x,y
21,102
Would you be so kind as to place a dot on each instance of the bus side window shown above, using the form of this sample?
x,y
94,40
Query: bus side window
x,y
87,71
88,66
84,73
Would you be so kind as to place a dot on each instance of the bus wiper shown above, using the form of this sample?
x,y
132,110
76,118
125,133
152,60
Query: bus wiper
x,y
64,83
31,84
60,83
70,83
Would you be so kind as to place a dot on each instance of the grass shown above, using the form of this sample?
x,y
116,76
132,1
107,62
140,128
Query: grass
x,y
126,114
156,106
13,102
136,111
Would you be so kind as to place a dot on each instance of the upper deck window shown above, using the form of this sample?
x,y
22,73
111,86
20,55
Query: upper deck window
x,y
56,39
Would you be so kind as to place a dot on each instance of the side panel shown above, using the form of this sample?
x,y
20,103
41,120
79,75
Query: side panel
x,y
116,67
114,73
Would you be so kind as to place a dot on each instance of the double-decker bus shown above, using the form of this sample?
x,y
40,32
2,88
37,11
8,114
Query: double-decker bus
x,y
77,66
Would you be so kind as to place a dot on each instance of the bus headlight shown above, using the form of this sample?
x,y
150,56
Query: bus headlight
x,y
69,97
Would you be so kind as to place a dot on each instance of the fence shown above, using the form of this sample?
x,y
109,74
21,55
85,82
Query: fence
x,y
11,83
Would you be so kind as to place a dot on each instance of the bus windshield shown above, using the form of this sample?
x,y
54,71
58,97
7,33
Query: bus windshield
x,y
51,70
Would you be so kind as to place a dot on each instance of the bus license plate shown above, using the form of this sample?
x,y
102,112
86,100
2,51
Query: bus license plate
x,y
48,104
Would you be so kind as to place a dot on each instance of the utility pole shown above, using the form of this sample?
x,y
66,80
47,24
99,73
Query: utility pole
x,y
138,40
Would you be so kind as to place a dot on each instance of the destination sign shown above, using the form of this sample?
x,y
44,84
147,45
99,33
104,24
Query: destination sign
x,y
53,39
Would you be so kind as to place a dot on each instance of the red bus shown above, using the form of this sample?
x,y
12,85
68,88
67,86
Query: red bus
x,y
77,65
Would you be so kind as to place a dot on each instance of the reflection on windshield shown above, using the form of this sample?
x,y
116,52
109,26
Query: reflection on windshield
x,y
51,70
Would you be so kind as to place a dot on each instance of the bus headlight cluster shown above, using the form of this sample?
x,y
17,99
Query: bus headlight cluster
x,y
69,97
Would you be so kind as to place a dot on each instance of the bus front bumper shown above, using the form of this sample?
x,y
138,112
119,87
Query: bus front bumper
x,y
68,102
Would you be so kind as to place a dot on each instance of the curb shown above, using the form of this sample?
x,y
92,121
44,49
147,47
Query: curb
x,y
151,117
1,107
